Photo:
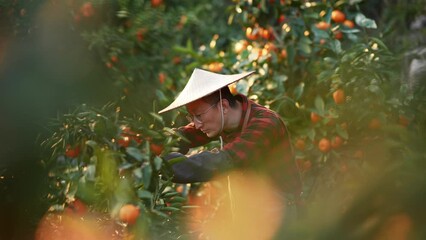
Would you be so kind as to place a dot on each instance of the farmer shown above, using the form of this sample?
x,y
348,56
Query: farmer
x,y
251,136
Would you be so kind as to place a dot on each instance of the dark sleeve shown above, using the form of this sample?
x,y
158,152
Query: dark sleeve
x,y
199,167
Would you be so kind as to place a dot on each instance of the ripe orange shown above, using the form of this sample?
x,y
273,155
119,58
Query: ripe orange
x,y
315,117
233,89
324,145
339,96
283,53
156,148
374,124
338,35
161,77
87,9
114,59
72,152
129,213
336,142
156,3
322,25
140,34
76,207
215,67
300,144
281,19
251,33
349,23
338,16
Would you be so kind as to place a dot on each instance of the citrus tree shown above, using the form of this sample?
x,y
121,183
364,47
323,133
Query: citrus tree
x,y
319,64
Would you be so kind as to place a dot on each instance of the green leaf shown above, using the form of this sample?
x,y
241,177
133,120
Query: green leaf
x,y
342,132
319,105
144,194
135,153
298,91
146,177
336,46
363,21
157,162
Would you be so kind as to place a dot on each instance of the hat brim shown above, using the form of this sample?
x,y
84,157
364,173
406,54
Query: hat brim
x,y
202,83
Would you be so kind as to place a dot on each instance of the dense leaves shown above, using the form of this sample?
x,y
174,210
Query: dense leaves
x,y
318,64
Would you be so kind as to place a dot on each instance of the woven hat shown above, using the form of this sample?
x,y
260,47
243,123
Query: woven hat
x,y
202,83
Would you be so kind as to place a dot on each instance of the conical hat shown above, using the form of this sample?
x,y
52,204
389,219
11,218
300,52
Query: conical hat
x,y
202,83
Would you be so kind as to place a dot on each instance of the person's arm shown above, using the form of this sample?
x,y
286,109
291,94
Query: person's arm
x,y
194,136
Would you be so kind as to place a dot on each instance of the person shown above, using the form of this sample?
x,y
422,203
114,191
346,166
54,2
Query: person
x,y
252,136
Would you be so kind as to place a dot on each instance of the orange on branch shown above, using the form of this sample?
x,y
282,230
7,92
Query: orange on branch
x,y
156,148
72,152
87,9
336,142
252,34
338,35
322,25
156,3
300,144
339,96
349,23
338,16
315,117
324,145
374,124
129,213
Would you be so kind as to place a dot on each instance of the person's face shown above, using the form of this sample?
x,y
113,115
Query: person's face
x,y
205,117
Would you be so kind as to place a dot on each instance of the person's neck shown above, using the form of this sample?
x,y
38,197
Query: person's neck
x,y
234,118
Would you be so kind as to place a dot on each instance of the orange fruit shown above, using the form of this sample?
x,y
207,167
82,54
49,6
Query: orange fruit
x,y
324,145
156,148
156,3
283,53
338,16
339,96
72,152
374,124
336,142
300,144
338,35
322,25
161,77
315,117
87,9
76,207
140,34
129,213
215,67
251,33
233,89
176,60
281,18
114,59
349,23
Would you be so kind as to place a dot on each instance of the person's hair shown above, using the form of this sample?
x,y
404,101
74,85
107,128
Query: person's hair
x,y
226,94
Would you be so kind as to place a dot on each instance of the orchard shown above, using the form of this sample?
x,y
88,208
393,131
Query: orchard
x,y
333,71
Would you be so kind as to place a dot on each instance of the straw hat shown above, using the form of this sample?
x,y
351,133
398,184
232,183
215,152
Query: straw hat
x,y
201,84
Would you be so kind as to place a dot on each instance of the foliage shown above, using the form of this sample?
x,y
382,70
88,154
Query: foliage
x,y
319,64
105,160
